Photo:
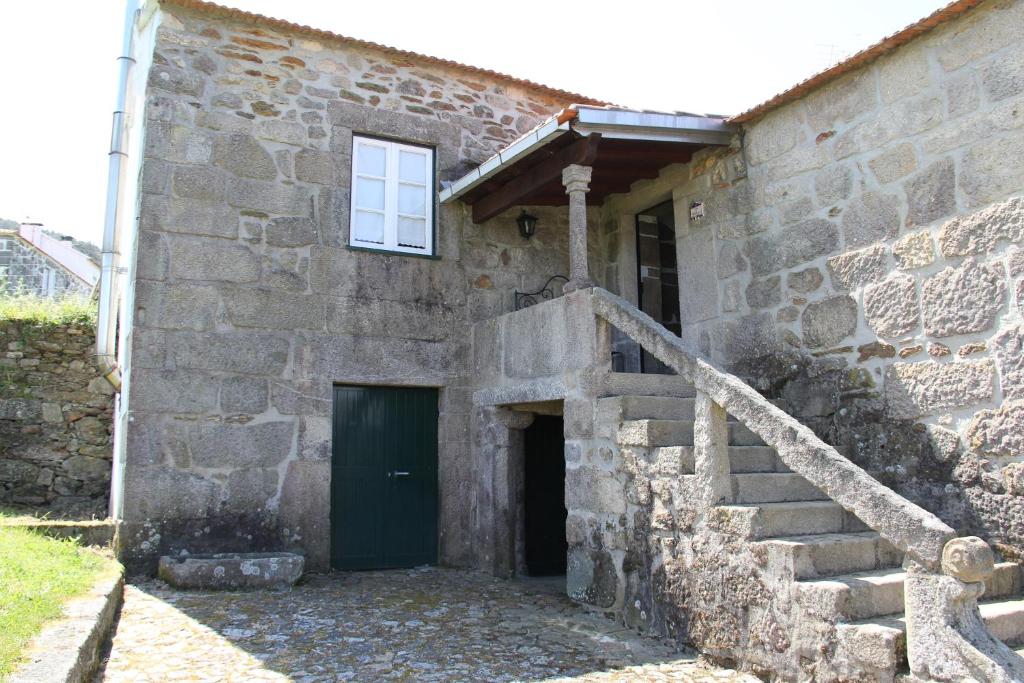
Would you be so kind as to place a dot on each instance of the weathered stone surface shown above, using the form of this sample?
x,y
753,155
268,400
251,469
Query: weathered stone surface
x,y
274,309
986,175
243,395
805,281
242,155
875,349
594,490
962,299
175,306
857,268
871,217
931,194
773,135
160,390
894,163
1008,348
290,232
833,183
750,336
313,166
395,319
828,321
764,293
998,433
271,197
843,101
792,246
202,259
891,308
281,131
916,389
198,182
979,232
730,260
243,352
265,444
914,251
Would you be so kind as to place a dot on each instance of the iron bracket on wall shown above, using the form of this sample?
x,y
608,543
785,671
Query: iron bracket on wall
x,y
545,293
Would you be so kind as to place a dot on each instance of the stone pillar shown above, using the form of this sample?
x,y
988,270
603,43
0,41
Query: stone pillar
x,y
576,179
711,451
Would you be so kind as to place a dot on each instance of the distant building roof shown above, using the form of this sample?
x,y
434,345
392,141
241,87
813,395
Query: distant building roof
x,y
222,12
865,56
60,252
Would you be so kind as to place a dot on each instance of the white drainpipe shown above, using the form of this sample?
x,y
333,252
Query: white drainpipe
x,y
106,324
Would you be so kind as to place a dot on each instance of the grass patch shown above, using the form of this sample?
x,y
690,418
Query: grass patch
x,y
37,575
66,310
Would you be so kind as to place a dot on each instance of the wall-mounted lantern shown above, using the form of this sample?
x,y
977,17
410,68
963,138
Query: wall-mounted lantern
x,y
527,224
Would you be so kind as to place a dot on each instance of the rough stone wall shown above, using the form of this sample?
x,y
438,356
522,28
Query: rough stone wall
x,y
248,306
55,420
25,269
862,260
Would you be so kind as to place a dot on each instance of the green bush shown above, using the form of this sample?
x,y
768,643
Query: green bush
x,y
66,310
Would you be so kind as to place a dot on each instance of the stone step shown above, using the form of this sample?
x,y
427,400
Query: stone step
x,y
880,592
739,435
746,459
655,433
1005,620
742,459
648,407
635,384
885,637
773,487
819,555
766,520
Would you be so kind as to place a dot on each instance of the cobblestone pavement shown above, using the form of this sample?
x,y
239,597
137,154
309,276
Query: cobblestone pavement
x,y
416,625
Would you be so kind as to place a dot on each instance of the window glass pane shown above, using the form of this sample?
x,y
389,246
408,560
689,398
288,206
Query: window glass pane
x,y
412,199
372,159
412,232
412,166
370,193
369,227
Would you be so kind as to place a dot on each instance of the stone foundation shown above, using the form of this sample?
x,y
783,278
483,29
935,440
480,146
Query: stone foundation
x,y
55,420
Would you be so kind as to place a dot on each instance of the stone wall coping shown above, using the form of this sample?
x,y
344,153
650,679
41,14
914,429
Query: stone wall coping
x,y
68,650
914,530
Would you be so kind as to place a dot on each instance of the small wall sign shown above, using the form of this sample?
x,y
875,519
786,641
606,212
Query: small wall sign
x,y
696,211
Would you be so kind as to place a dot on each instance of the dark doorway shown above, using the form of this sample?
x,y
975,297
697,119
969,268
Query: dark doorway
x,y
384,478
658,276
544,456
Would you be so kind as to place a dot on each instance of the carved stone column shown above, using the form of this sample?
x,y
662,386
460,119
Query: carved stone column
x,y
576,179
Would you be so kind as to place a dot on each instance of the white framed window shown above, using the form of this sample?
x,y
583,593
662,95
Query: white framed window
x,y
392,196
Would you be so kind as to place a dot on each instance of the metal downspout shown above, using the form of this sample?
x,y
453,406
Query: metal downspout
x,y
106,324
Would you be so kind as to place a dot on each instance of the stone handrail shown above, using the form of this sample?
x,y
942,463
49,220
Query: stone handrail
x,y
915,531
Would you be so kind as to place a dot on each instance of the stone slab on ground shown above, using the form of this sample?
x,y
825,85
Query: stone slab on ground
x,y
424,625
68,650
231,571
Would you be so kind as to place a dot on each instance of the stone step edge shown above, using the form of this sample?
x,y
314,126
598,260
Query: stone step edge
x,y
889,576
898,622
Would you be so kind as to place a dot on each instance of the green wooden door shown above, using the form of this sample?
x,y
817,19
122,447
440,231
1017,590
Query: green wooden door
x,y
384,478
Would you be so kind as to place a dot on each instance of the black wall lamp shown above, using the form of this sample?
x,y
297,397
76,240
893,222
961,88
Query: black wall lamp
x,y
527,224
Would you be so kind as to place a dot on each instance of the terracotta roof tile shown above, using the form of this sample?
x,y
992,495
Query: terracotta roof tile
x,y
882,47
222,12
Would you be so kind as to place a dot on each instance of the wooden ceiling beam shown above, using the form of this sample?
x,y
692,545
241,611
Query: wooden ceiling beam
x,y
582,151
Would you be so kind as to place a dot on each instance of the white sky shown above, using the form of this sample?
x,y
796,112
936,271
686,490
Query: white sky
x,y
716,56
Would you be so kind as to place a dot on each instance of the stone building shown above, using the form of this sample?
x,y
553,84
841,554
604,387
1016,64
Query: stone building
x,y
779,376
33,260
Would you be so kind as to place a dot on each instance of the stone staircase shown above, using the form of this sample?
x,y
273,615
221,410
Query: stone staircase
x,y
839,572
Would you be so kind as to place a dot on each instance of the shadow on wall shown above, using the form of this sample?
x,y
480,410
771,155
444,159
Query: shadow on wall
x,y
927,464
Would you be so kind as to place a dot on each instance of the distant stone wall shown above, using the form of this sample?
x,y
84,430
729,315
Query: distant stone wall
x,y
23,268
862,259
55,420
